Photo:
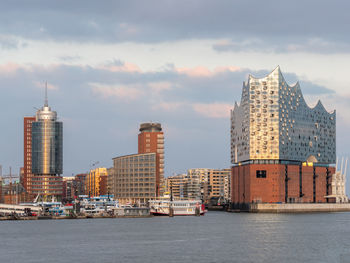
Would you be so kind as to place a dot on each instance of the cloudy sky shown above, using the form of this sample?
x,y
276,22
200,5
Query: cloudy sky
x,y
111,65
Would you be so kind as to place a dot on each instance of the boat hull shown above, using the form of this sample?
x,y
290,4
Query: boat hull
x,y
167,214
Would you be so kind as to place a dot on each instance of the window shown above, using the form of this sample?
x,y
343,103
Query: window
x,y
260,173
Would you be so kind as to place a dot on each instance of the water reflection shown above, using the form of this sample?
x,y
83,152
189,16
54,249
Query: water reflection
x,y
216,237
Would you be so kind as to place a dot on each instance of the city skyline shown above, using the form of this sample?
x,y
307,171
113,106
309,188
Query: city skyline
x,y
104,85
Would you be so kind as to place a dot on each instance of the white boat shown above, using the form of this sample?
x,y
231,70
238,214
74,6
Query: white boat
x,y
98,204
166,207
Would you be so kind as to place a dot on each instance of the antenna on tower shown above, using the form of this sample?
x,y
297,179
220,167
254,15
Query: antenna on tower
x,y
46,100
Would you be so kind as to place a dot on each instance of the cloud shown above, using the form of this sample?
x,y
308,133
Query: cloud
x,y
120,66
8,42
195,72
128,93
42,85
69,58
201,71
9,68
168,106
213,110
299,45
158,87
161,21
237,46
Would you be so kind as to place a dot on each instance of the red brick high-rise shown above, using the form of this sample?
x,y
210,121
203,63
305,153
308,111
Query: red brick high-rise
x,y
151,140
27,157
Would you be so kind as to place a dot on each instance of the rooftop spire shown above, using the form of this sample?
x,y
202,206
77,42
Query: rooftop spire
x,y
46,100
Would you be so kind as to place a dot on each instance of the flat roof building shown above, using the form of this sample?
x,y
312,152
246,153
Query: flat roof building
x,y
96,182
134,178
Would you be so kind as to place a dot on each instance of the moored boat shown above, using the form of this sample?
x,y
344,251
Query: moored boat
x,y
167,207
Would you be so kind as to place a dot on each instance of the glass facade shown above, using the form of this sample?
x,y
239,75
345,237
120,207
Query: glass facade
x,y
273,122
47,147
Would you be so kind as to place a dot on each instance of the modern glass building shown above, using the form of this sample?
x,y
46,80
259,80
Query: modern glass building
x,y
273,122
47,147
47,143
282,150
47,153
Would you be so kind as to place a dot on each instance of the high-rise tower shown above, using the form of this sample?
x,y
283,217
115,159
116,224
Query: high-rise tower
x,y
27,175
47,153
151,140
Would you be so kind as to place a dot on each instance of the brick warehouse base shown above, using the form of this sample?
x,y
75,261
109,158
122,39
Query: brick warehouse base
x,y
279,183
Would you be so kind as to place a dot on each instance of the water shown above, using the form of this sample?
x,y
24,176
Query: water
x,y
215,237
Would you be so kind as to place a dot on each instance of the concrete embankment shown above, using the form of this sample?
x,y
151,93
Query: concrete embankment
x,y
130,212
299,208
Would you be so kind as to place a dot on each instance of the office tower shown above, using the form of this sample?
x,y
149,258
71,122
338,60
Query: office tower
x,y
80,185
68,188
26,172
151,140
201,183
219,182
281,149
174,186
47,154
135,179
203,175
96,182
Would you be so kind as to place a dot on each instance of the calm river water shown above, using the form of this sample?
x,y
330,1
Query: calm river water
x,y
215,237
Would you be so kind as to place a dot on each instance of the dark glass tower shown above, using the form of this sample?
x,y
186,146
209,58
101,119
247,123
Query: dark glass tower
x,y
47,147
47,153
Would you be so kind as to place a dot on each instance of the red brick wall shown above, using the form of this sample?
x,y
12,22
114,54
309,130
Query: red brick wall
x,y
247,188
307,172
27,158
293,182
153,145
103,185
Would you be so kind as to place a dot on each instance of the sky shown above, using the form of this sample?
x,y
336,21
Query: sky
x,y
112,65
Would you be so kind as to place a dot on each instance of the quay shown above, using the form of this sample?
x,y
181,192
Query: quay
x,y
128,212
294,208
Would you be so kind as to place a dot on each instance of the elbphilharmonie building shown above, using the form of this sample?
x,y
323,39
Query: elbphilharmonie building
x,y
282,150
273,122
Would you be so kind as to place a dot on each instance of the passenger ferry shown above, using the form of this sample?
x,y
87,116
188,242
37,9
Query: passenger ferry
x,y
98,204
166,207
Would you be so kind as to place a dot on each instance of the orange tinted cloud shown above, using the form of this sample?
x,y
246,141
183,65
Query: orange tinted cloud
x,y
201,71
213,110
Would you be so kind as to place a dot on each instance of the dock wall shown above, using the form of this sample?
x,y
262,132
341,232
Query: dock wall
x,y
298,208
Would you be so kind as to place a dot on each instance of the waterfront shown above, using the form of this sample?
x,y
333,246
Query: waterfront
x,y
215,237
